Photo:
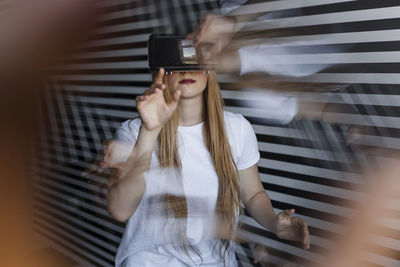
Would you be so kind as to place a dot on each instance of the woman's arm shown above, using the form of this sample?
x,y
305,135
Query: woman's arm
x,y
125,194
126,191
259,207
255,198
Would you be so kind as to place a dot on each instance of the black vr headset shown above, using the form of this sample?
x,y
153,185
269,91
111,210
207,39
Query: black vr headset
x,y
174,53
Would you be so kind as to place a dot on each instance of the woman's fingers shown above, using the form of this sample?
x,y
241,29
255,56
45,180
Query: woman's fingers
x,y
306,240
147,95
205,31
160,76
303,234
153,87
177,95
141,98
175,99
260,254
289,212
192,35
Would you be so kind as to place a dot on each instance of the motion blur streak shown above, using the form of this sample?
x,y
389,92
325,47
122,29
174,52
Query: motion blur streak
x,y
33,34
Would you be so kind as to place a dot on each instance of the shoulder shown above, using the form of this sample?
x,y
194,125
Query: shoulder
x,y
238,124
234,118
235,121
243,140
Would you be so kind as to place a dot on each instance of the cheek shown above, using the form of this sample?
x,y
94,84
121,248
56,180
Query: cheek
x,y
201,79
204,79
201,85
203,82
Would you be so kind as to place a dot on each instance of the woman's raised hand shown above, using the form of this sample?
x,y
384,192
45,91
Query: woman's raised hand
x,y
152,107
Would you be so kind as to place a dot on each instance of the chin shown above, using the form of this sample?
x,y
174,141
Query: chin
x,y
188,95
188,92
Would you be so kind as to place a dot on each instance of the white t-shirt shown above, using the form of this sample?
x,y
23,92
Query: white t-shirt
x,y
149,235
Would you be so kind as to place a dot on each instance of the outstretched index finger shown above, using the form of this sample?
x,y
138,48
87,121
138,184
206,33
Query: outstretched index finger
x,y
160,76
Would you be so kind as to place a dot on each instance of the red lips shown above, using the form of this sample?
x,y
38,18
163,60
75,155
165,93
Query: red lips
x,y
187,81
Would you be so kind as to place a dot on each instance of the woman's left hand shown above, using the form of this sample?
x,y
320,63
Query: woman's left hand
x,y
292,228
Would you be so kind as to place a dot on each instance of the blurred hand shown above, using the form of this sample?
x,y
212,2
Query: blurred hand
x,y
153,109
260,254
103,164
292,228
227,62
102,161
215,29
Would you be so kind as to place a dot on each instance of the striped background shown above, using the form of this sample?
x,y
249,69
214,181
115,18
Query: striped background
x,y
305,165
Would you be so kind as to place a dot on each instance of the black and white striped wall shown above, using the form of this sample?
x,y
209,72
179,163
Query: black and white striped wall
x,y
304,165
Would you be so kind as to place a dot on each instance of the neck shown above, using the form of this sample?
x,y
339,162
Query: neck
x,y
191,111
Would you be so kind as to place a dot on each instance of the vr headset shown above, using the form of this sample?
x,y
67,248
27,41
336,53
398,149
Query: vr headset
x,y
174,53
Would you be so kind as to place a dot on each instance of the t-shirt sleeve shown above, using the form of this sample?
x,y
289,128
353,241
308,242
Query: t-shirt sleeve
x,y
275,108
249,152
125,140
228,6
275,60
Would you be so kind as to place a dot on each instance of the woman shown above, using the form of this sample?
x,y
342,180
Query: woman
x,y
182,184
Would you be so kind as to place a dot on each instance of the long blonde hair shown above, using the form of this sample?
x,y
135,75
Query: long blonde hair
x,y
216,140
